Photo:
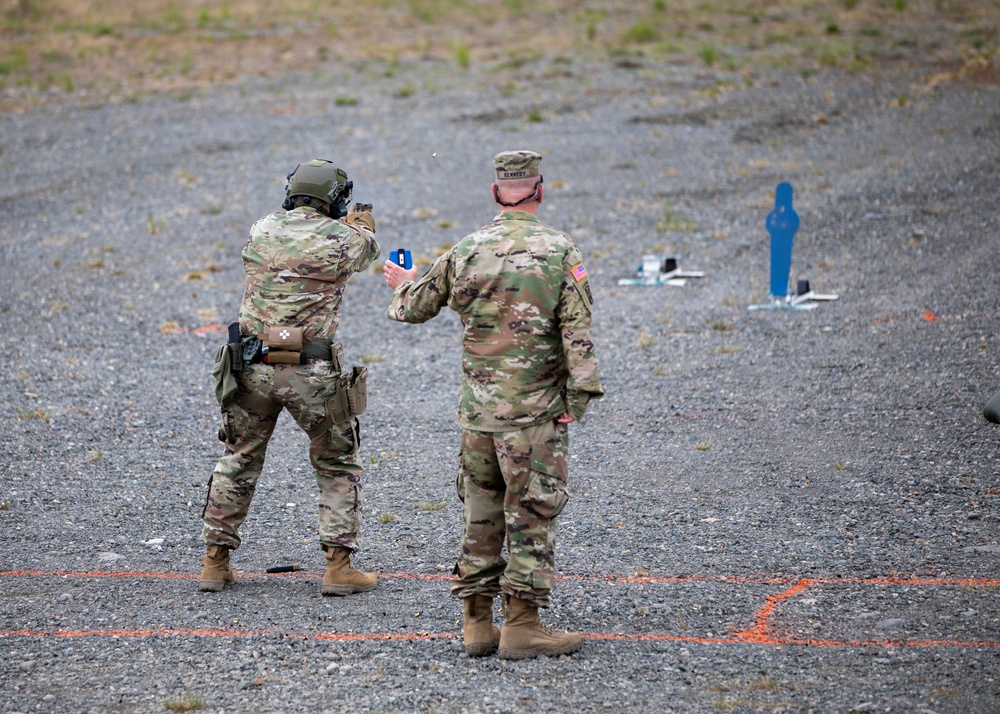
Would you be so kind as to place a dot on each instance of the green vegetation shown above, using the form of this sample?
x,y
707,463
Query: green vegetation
x,y
18,59
155,225
671,222
462,57
185,704
641,32
26,414
138,48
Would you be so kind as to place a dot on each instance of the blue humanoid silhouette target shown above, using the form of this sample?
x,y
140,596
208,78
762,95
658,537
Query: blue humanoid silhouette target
x,y
782,223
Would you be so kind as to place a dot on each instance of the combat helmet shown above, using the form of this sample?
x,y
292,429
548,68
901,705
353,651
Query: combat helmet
x,y
321,180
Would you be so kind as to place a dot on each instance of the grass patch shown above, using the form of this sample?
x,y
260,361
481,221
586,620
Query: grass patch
x,y
17,59
185,704
155,225
670,222
184,43
423,505
642,32
709,54
462,56
29,414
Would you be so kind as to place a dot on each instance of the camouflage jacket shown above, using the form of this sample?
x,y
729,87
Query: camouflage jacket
x,y
297,264
521,291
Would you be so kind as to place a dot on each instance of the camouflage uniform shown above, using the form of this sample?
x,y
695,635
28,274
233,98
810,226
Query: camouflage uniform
x,y
297,263
520,288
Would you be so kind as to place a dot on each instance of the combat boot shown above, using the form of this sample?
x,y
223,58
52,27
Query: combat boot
x,y
340,578
524,637
480,634
216,574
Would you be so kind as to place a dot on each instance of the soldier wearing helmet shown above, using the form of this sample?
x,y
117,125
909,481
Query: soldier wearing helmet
x,y
529,369
282,354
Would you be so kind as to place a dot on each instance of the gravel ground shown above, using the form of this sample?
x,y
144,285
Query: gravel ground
x,y
772,510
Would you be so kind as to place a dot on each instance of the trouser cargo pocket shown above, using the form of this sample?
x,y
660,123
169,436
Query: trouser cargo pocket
x,y
545,493
227,432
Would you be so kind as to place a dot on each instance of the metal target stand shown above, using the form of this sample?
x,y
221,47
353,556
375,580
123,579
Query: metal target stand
x,y
656,270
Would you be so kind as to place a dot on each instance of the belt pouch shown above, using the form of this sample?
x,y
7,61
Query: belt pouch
x,y
285,339
274,356
284,344
225,383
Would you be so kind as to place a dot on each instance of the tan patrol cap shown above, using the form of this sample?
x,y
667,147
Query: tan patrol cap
x,y
511,165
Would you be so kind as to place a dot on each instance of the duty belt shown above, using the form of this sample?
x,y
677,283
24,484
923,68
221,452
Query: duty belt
x,y
251,349
316,350
309,351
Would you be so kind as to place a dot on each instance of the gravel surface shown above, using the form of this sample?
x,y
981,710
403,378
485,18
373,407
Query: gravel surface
x,y
777,510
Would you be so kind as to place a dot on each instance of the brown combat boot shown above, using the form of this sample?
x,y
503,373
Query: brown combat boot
x,y
524,637
480,634
340,578
216,574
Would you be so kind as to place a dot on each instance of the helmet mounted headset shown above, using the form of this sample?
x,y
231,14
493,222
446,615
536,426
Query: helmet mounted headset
x,y
318,182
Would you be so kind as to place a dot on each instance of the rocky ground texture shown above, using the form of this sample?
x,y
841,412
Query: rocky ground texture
x,y
772,510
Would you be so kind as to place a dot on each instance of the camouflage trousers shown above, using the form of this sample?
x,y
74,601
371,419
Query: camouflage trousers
x,y
513,486
247,425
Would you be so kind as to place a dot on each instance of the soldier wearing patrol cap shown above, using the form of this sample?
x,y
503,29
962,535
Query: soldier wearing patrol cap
x,y
282,355
529,370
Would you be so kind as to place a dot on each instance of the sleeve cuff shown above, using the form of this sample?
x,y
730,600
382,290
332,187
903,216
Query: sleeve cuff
x,y
576,404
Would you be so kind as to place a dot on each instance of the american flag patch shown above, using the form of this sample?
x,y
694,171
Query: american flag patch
x,y
579,272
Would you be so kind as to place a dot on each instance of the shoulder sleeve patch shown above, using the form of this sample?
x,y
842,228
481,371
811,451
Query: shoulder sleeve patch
x,y
579,272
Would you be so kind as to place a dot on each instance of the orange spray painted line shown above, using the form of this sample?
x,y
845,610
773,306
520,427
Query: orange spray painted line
x,y
759,632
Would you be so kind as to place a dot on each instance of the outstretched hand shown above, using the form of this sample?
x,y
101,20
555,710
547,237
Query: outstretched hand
x,y
395,274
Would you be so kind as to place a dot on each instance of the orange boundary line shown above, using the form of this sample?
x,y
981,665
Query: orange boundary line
x,y
759,634
736,639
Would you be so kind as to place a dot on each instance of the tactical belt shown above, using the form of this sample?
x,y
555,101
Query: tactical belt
x,y
254,349
309,351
